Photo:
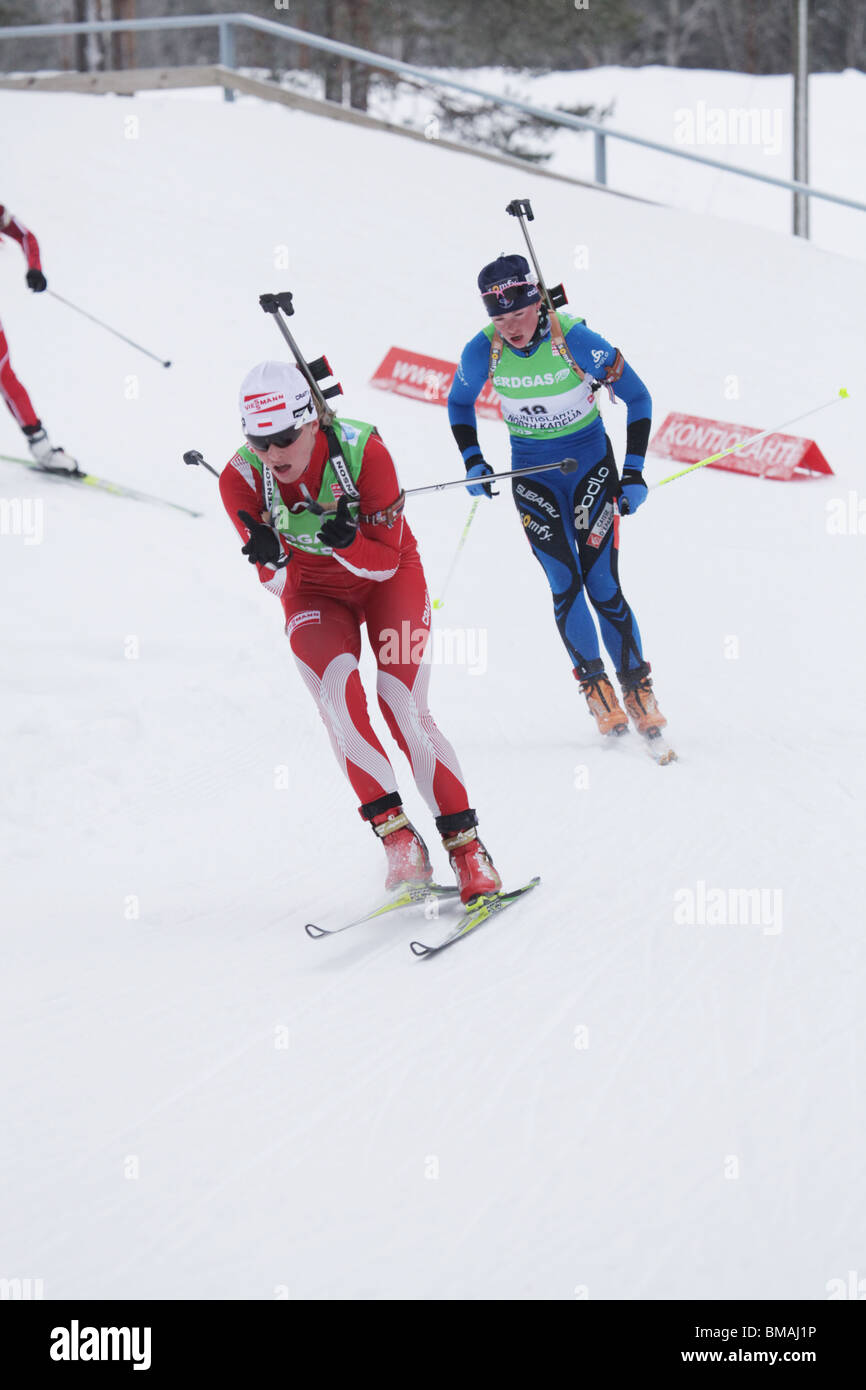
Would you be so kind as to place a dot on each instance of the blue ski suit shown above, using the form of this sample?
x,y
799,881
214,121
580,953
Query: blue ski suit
x,y
570,520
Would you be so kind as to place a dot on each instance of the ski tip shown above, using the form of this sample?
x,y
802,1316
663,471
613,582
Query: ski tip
x,y
532,883
315,932
419,949
483,899
660,752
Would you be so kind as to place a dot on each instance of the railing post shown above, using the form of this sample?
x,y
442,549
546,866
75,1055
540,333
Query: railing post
x,y
801,115
227,53
600,157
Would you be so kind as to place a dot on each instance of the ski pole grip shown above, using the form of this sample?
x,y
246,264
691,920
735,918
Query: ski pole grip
x,y
193,456
272,302
521,207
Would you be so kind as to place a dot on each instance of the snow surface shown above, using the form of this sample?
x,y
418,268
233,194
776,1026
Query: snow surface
x,y
585,1099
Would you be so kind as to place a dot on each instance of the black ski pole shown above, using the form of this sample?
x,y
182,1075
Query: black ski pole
x,y
554,298
566,466
521,208
315,371
108,328
193,457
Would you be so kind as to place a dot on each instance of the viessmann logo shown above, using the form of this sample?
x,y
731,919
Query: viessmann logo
x,y
310,615
267,400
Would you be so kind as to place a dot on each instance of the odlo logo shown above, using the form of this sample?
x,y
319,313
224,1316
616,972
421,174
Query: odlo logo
x,y
594,485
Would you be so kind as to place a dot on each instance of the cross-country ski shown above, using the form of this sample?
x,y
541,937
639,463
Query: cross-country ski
x,y
417,895
478,911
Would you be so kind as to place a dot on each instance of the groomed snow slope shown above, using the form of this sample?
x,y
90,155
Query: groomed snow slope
x,y
198,1100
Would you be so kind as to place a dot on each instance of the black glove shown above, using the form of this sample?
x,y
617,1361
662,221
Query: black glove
x,y
340,529
36,280
632,491
478,467
263,546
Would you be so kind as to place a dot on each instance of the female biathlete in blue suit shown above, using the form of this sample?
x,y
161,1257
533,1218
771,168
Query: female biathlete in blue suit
x,y
547,368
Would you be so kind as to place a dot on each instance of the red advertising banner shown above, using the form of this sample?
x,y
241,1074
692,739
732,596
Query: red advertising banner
x,y
690,438
427,379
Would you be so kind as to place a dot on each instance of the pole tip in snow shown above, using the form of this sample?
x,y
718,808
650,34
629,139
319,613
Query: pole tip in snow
x,y
437,603
843,392
166,364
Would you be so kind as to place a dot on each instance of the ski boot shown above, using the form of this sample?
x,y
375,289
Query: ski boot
x,y
639,700
46,455
603,705
406,852
472,865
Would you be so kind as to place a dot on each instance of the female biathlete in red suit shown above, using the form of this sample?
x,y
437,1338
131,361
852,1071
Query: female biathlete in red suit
x,y
11,389
360,564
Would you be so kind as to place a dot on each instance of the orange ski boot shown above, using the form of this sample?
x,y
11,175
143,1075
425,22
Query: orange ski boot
x,y
603,705
640,701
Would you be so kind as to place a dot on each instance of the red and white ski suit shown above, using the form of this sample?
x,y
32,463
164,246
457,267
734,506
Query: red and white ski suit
x,y
379,580
11,389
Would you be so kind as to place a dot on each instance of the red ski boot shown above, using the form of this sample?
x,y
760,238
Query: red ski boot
x,y
408,860
472,865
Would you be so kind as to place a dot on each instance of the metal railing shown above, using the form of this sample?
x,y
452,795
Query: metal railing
x,y
227,24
